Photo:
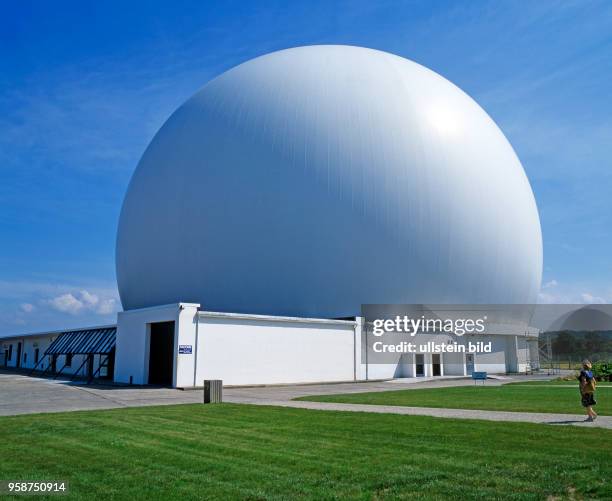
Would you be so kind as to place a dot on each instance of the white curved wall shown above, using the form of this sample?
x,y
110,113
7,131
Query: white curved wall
x,y
311,180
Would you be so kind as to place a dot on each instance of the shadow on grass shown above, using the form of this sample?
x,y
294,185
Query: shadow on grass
x,y
569,421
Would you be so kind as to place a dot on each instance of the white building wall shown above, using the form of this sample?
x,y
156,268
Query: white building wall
x,y
405,366
453,364
5,347
187,330
133,341
523,353
28,346
382,371
240,349
31,344
11,360
494,362
42,341
246,350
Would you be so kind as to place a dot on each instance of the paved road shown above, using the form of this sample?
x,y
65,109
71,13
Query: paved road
x,y
25,395
20,394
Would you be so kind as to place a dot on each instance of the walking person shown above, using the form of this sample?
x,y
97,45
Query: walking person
x,y
587,389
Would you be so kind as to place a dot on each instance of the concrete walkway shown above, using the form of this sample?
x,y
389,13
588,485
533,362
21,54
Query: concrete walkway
x,y
283,396
20,394
523,417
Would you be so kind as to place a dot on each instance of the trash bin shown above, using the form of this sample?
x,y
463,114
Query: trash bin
x,y
213,391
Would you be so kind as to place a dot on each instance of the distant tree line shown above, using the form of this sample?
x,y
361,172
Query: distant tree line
x,y
576,344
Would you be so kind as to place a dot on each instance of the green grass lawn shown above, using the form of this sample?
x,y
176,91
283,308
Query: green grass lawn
x,y
540,396
249,452
573,382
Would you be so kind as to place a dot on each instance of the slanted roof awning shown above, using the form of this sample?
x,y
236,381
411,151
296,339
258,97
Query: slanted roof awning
x,y
84,342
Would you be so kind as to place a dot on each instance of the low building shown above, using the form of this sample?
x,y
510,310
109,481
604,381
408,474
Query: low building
x,y
83,353
180,345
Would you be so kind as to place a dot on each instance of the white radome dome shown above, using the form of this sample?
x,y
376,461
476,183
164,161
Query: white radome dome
x,y
311,180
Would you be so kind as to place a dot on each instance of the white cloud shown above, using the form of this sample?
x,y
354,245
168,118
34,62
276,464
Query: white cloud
x,y
83,301
107,306
544,298
89,299
66,303
554,292
30,306
588,298
27,307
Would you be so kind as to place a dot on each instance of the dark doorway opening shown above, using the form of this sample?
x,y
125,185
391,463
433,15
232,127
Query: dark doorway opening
x,y
420,365
36,355
161,353
6,358
110,365
54,363
90,366
436,365
18,361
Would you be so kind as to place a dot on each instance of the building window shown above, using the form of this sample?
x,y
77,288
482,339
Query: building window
x,y
69,360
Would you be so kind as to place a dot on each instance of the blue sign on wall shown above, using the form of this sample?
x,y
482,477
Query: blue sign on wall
x,y
185,349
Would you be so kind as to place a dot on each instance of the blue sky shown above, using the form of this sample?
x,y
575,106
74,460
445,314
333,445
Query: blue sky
x,y
85,85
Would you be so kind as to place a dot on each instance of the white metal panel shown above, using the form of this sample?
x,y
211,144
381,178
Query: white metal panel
x,y
244,351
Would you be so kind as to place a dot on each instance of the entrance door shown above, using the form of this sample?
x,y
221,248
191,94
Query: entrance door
x,y
436,365
469,363
111,365
18,361
6,358
161,353
90,366
54,363
420,365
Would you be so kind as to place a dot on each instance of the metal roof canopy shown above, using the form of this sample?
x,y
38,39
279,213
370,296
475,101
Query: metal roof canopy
x,y
84,342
